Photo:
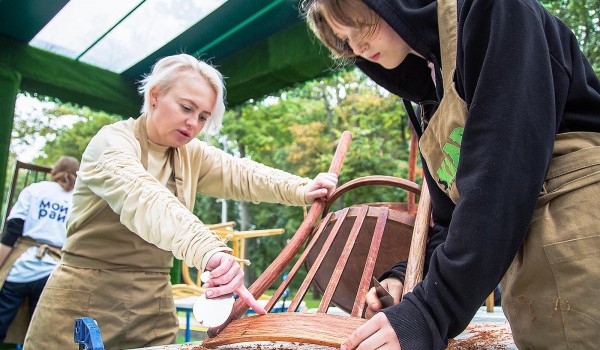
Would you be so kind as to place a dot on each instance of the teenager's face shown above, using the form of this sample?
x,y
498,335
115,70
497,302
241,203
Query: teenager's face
x,y
179,113
382,45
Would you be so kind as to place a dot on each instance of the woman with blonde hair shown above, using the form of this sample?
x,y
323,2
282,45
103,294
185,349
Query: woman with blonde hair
x,y
133,211
30,247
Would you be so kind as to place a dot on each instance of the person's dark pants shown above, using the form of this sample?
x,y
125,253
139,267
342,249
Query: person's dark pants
x,y
11,297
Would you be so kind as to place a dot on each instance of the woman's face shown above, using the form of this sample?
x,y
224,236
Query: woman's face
x,y
381,45
179,113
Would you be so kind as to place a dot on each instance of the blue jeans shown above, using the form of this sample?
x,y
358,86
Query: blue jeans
x,y
12,296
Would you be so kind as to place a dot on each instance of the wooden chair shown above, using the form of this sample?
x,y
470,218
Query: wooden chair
x,y
321,328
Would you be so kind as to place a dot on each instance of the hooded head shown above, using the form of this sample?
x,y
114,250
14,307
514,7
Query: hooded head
x,y
414,21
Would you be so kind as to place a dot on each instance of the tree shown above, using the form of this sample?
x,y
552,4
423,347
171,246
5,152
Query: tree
x,y
73,140
582,17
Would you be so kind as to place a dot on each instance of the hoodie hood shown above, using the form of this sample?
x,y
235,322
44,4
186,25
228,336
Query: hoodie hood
x,y
416,22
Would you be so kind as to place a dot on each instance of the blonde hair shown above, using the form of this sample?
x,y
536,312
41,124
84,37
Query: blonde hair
x,y
64,172
166,71
352,13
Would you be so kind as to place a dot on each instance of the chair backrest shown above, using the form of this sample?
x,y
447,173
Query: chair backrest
x,y
365,239
331,248
24,174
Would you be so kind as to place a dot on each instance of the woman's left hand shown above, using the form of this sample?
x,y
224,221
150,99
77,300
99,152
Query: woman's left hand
x,y
226,277
322,186
376,333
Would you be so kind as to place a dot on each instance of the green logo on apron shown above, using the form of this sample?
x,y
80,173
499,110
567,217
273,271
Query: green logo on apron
x,y
447,170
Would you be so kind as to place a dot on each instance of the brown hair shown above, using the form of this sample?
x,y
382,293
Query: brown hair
x,y
352,13
64,172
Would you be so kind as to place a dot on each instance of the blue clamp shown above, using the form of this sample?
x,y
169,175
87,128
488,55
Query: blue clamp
x,y
87,334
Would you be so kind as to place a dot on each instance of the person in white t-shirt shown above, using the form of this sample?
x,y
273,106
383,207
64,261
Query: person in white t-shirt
x,y
30,247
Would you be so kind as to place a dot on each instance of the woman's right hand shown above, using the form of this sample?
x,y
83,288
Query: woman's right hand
x,y
393,286
226,277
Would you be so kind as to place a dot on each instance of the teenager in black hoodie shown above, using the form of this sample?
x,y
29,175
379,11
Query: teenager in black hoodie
x,y
508,120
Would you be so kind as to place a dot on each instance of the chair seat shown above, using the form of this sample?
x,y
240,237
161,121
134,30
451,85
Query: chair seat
x,y
318,329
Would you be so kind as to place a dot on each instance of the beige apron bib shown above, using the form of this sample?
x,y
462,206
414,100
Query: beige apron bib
x,y
550,292
441,140
133,307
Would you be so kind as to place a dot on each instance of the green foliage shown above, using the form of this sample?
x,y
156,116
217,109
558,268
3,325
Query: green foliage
x,y
72,141
296,130
583,18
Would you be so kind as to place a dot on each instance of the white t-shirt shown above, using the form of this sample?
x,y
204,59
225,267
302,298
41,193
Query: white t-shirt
x,y
45,207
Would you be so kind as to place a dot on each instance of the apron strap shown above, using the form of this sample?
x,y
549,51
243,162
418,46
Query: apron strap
x,y
176,165
141,134
448,22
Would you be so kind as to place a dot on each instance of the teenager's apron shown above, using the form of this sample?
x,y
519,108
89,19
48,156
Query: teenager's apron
x,y
550,291
18,327
133,307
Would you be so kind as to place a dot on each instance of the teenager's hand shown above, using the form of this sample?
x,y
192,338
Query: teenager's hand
x,y
322,186
393,286
376,333
226,277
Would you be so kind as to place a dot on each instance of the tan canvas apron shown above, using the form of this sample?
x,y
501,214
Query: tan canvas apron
x,y
18,327
133,307
549,293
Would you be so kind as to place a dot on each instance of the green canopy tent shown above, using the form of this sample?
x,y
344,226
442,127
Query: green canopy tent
x,y
260,46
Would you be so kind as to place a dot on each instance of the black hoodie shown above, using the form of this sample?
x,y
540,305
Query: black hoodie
x,y
524,80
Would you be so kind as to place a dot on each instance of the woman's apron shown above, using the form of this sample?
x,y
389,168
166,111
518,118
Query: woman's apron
x,y
18,327
550,291
133,308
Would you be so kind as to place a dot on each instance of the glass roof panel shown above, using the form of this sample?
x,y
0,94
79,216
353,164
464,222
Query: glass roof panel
x,y
79,24
73,32
147,29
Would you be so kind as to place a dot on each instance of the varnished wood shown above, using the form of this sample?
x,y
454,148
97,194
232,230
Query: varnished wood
x,y
341,264
279,292
352,237
365,280
416,256
311,273
489,302
320,329
412,165
372,180
394,247
274,270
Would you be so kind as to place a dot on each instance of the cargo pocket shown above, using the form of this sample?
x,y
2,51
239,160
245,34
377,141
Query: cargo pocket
x,y
166,323
54,317
575,264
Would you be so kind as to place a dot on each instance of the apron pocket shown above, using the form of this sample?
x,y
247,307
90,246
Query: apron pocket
x,y
65,301
54,317
166,323
575,264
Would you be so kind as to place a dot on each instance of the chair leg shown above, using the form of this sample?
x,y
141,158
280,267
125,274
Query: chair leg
x,y
489,302
416,255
